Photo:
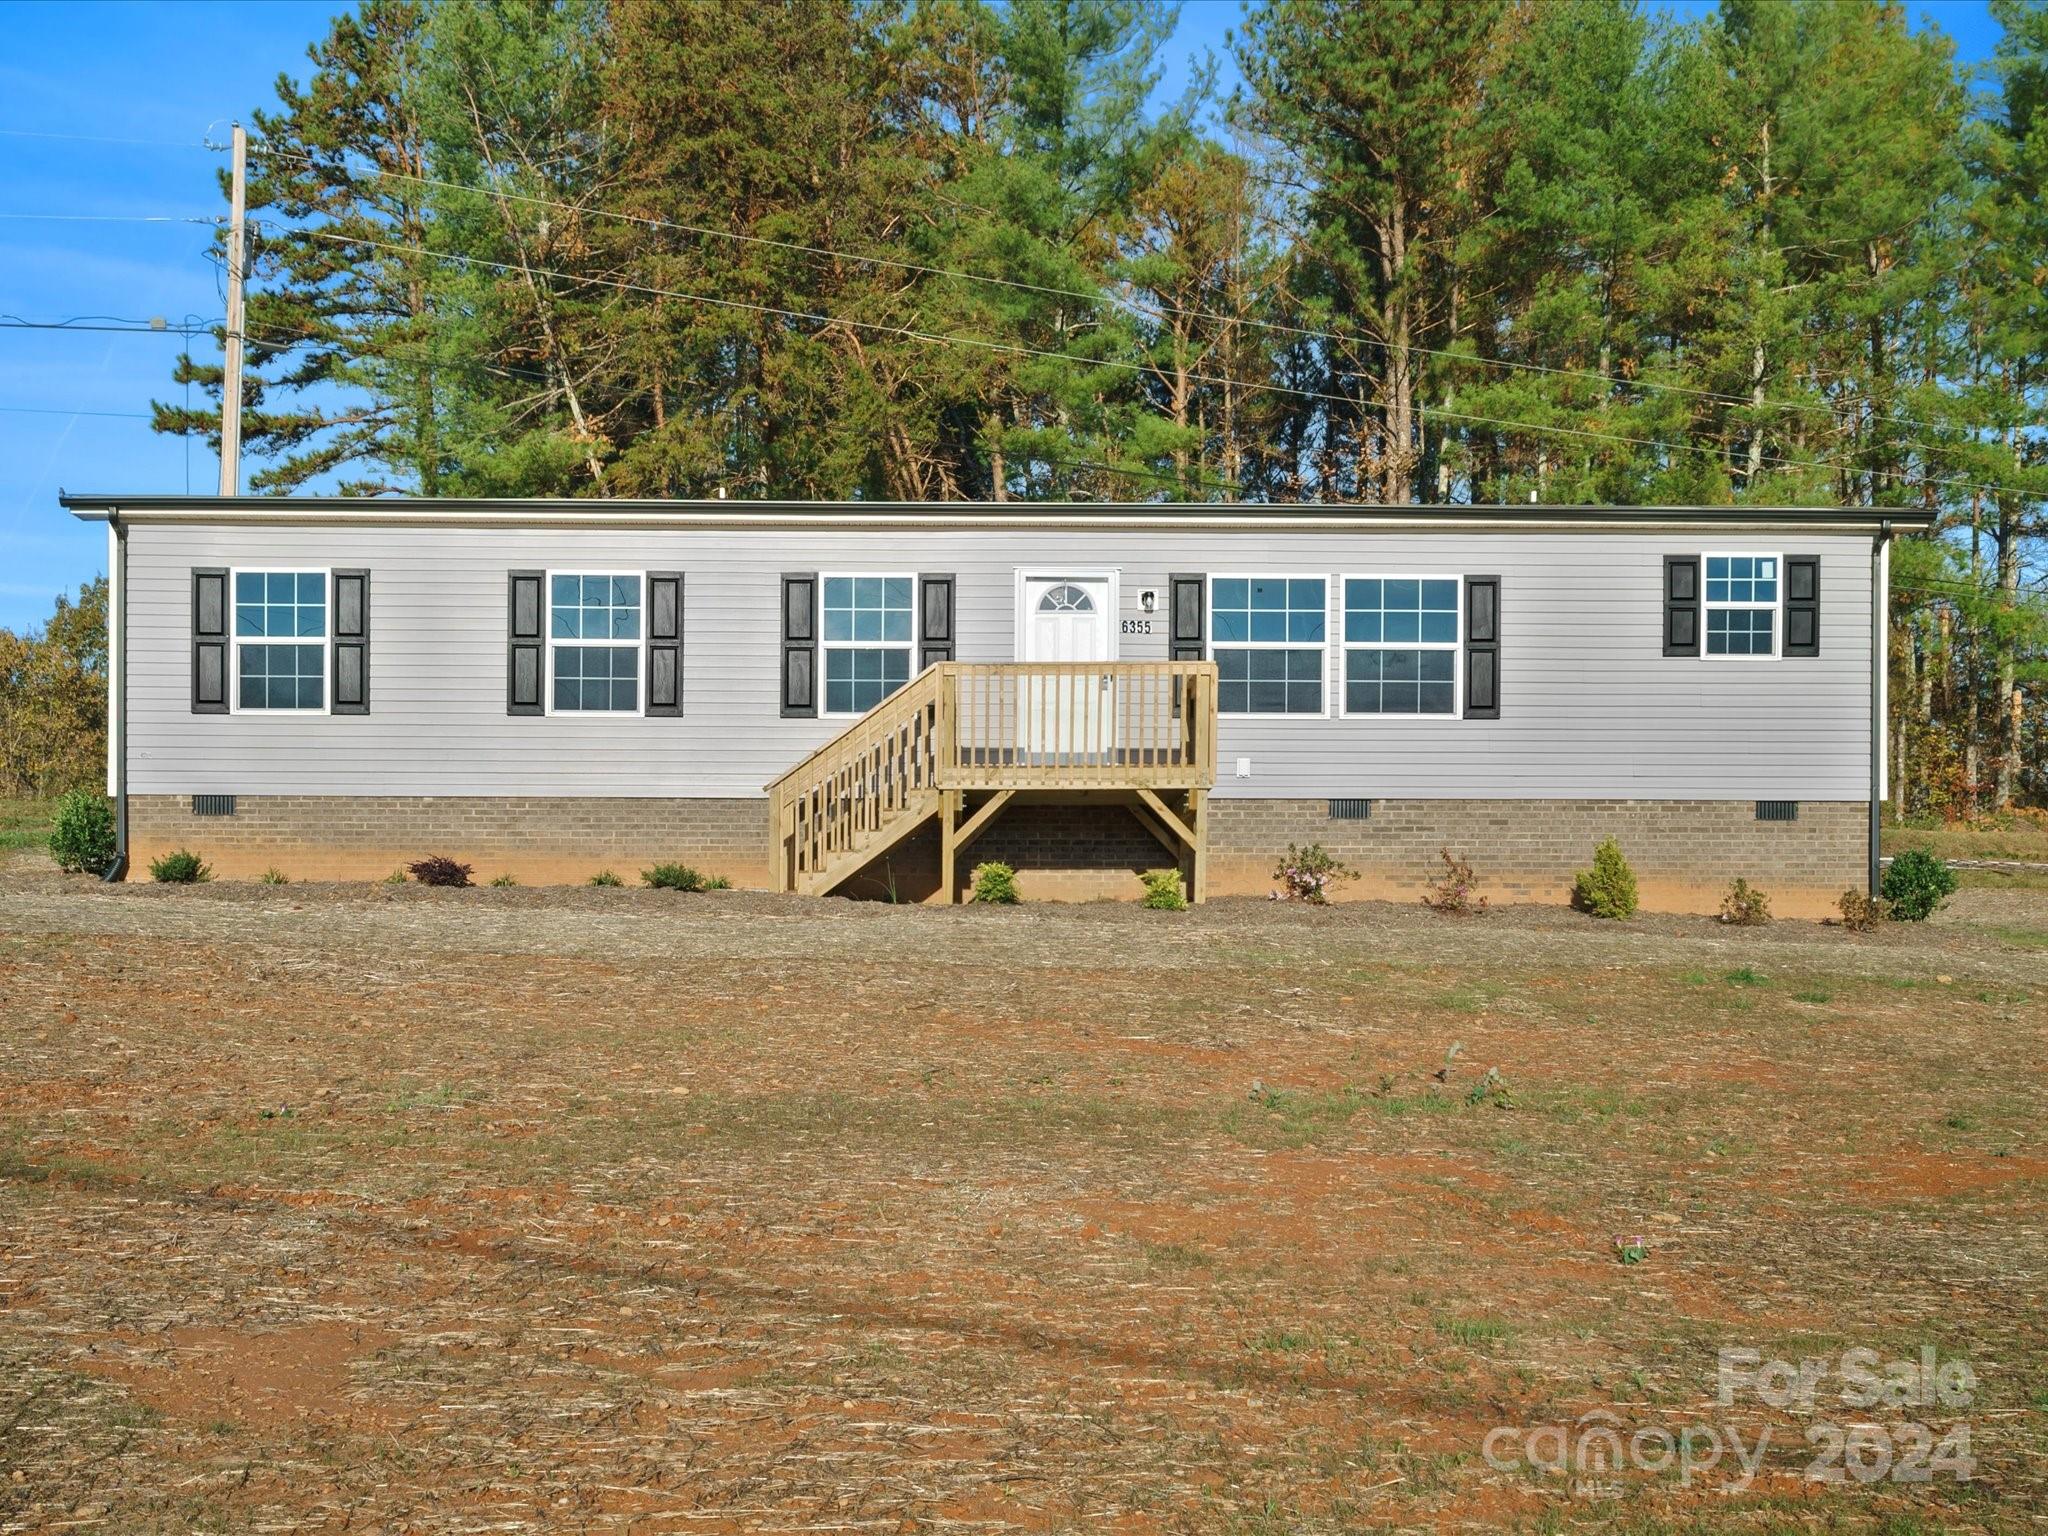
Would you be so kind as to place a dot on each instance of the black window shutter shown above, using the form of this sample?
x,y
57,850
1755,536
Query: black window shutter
x,y
525,614
1482,647
664,642
350,643
800,644
1681,605
209,641
935,619
1188,617
1802,605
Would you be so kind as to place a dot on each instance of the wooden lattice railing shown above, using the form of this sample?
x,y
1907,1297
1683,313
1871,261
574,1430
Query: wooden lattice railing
x,y
1001,726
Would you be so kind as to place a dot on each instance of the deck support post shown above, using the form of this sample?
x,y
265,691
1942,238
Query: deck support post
x,y
1198,815
950,803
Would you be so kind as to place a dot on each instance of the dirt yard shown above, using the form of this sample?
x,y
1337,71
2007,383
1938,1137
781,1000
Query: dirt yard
x,y
385,1209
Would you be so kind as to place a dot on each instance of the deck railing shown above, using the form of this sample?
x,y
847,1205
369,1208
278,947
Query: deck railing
x,y
1118,725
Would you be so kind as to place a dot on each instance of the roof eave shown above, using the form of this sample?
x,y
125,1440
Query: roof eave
x,y
448,511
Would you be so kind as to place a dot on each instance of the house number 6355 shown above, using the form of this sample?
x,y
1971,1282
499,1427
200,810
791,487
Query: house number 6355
x,y
1137,626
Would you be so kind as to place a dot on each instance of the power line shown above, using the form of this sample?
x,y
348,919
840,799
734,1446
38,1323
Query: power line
x,y
1100,297
101,138
115,218
1116,364
187,327
50,410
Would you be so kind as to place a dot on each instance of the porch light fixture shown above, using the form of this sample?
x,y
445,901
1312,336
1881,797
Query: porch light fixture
x,y
1148,600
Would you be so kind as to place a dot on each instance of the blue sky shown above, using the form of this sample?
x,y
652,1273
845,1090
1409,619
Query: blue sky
x,y
74,406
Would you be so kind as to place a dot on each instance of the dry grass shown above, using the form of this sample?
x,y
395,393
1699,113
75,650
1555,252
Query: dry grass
x,y
332,1208
2020,837
25,823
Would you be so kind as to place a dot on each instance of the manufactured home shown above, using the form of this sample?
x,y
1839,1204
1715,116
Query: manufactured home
x,y
871,698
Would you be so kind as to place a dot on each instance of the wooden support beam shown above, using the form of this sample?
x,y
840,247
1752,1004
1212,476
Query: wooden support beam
x,y
949,846
1198,809
1152,824
977,824
1174,824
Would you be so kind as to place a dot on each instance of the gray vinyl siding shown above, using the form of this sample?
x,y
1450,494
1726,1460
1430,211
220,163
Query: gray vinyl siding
x,y
1590,706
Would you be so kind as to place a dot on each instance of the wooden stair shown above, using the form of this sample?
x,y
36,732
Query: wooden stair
x,y
1128,731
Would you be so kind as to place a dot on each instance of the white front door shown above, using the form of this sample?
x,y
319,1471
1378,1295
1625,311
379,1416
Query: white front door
x,y
1068,619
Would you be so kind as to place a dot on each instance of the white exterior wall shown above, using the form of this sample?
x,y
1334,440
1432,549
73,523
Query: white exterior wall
x,y
1590,705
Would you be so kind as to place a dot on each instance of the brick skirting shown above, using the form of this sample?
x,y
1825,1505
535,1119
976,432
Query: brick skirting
x,y
1684,851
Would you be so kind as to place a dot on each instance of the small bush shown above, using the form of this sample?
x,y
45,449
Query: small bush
x,y
717,883
437,869
1608,889
1861,912
396,877
1309,874
672,877
274,876
503,882
606,878
1163,890
1745,906
995,884
1451,892
83,838
1916,884
180,868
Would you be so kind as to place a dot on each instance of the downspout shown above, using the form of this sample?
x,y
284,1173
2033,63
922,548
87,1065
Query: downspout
x,y
1880,658
117,690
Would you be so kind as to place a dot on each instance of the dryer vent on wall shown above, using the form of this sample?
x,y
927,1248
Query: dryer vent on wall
x,y
213,805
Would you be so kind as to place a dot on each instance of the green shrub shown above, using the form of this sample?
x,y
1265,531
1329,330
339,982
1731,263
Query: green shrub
x,y
396,877
180,868
83,838
717,883
1608,889
1916,884
995,884
439,869
1309,874
504,882
606,878
274,876
672,877
1163,890
1745,906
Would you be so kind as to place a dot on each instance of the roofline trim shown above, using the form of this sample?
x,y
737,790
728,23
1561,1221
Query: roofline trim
x,y
568,513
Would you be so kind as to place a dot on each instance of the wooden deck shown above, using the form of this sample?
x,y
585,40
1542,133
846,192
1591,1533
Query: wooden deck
x,y
963,738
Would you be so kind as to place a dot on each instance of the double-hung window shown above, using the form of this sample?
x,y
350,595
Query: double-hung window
x,y
1401,645
595,638
1742,604
280,641
1268,637
867,637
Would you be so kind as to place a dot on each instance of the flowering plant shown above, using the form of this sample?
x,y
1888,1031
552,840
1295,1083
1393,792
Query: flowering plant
x,y
1631,1250
1309,874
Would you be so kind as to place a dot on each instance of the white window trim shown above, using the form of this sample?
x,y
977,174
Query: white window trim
x,y
1456,647
825,646
326,639
1209,628
1775,608
1020,638
549,641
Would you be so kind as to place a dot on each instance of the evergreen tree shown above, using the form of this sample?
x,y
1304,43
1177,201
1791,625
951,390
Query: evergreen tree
x,y
344,360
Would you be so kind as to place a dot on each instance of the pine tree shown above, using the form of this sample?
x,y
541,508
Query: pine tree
x,y
344,360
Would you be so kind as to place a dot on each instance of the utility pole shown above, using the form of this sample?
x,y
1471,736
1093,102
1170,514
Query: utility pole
x,y
231,373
